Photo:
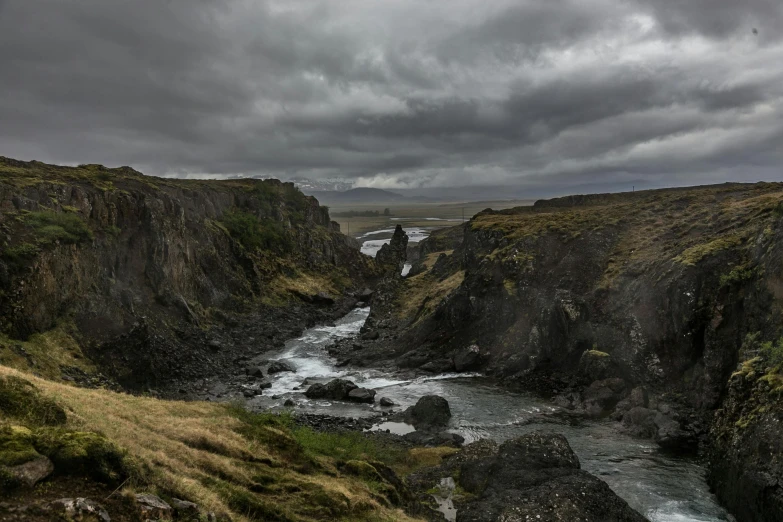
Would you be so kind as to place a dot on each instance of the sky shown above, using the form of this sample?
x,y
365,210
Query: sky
x,y
400,94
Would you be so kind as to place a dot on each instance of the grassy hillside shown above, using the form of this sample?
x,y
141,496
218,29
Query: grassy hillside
x,y
233,463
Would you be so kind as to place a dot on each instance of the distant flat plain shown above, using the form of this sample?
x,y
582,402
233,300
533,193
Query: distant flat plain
x,y
413,214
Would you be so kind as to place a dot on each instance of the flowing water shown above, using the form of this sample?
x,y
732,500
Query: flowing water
x,y
662,487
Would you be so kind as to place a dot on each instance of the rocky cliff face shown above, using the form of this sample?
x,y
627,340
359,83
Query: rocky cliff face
x,y
630,305
144,274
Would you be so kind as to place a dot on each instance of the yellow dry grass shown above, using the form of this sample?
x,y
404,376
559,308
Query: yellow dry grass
x,y
193,450
422,293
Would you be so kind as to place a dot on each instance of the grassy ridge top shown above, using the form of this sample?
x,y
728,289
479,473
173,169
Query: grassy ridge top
x,y
238,464
684,225
27,173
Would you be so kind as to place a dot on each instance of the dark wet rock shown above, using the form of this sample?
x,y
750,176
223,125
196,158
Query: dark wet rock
x,y
289,403
640,422
602,396
152,507
322,298
364,296
744,456
358,346
249,393
362,395
468,359
386,402
337,389
371,336
595,365
537,477
280,366
671,435
430,411
438,366
433,439
215,345
80,509
393,254
264,385
255,371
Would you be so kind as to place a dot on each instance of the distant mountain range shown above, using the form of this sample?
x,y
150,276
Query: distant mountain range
x,y
357,196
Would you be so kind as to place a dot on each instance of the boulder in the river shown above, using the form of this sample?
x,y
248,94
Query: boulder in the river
x,y
337,389
280,366
438,366
671,435
640,422
434,439
467,359
255,371
430,411
601,396
386,402
362,395
537,477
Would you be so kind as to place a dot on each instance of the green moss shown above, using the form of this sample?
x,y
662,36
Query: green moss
x,y
49,227
21,252
254,233
249,504
20,400
83,454
16,446
597,353
696,253
738,275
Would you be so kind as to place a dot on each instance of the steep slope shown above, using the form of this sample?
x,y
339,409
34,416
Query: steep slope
x,y
236,465
144,275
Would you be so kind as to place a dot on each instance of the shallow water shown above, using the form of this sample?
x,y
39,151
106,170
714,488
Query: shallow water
x,y
664,488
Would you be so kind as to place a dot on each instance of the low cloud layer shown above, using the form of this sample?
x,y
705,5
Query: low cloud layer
x,y
402,93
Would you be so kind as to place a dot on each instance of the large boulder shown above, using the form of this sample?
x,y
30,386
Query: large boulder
x,y
537,477
602,396
595,365
337,389
279,367
363,395
430,411
468,359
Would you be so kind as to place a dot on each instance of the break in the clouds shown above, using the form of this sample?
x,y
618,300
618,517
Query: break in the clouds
x,y
399,93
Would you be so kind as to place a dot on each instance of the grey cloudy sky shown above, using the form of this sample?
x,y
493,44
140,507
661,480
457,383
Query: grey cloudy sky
x,y
400,93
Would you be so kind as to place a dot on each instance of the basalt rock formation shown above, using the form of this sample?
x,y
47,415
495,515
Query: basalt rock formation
x,y
629,305
146,279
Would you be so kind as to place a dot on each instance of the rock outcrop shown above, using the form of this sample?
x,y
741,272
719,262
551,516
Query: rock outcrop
x,y
149,277
533,477
590,298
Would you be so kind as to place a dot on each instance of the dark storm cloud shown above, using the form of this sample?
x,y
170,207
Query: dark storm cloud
x,y
399,93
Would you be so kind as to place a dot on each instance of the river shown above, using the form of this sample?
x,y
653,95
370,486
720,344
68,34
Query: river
x,y
662,487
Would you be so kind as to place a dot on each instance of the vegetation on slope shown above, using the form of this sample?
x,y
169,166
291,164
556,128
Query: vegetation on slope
x,y
241,465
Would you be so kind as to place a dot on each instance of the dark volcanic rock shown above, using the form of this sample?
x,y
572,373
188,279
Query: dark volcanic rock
x,y
467,359
337,389
430,411
601,396
255,371
385,401
280,366
364,296
363,395
537,477
394,253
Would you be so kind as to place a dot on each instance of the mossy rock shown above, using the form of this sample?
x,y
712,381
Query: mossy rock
x,y
16,446
21,400
84,454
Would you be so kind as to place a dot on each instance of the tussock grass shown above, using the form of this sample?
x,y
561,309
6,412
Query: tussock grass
x,y
422,293
250,467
